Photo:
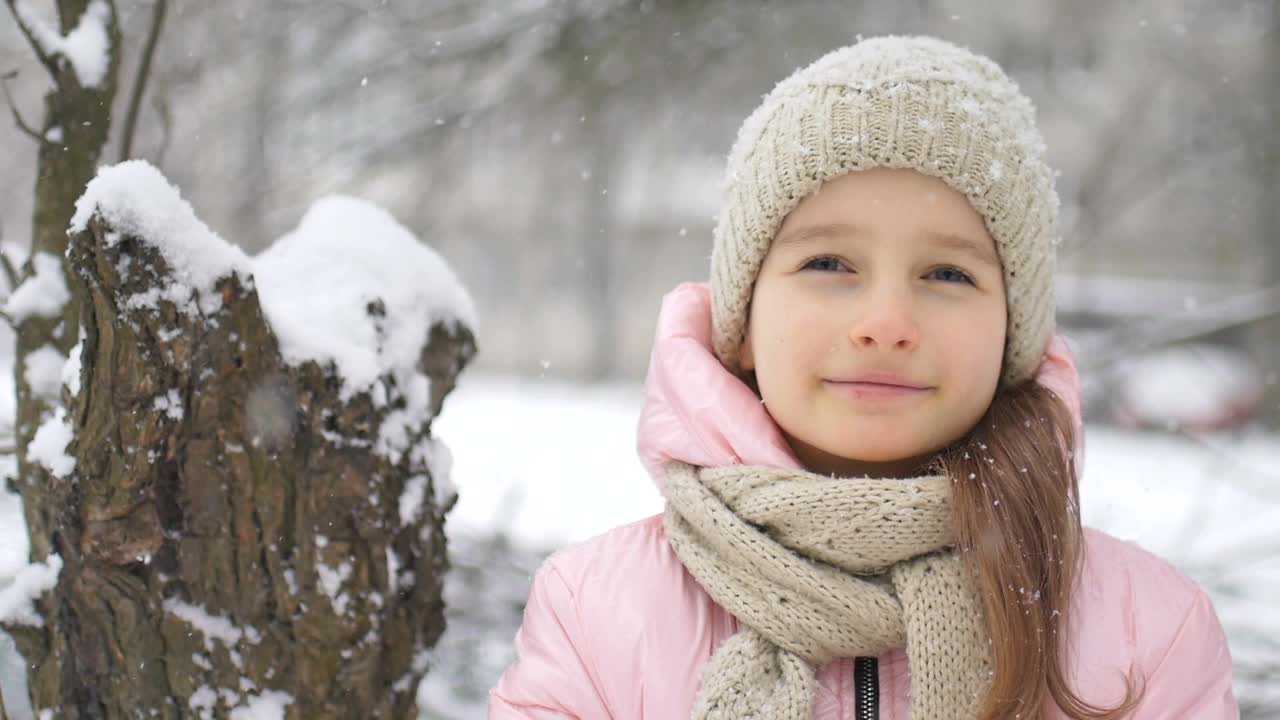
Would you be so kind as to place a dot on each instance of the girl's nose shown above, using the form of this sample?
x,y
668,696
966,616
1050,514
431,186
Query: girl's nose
x,y
886,322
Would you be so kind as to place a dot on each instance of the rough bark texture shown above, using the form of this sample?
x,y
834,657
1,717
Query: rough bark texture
x,y
257,500
75,128
76,124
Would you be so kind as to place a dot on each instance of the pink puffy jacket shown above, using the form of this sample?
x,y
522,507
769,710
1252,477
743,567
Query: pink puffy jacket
x,y
615,628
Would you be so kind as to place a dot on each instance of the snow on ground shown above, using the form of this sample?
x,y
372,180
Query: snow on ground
x,y
544,464
547,463
540,464
567,470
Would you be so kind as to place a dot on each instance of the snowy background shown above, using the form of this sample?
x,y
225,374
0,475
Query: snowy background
x,y
1210,505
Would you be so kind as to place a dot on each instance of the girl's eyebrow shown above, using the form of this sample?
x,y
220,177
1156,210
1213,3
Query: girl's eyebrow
x,y
809,232
945,240
951,241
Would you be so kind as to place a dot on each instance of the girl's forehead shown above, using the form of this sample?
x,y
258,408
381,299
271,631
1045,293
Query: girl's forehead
x,y
980,247
889,201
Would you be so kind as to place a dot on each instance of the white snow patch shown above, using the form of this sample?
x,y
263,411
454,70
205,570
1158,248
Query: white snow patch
x,y
170,404
49,446
331,584
70,375
398,426
439,461
14,546
393,570
230,697
522,490
87,47
1189,386
135,199
415,491
318,282
214,627
176,293
18,597
404,682
42,294
44,372
202,701
269,705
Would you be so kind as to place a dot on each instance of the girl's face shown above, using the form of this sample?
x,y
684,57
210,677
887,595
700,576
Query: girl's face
x,y
882,276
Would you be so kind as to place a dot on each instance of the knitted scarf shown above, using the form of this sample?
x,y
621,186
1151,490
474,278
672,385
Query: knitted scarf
x,y
816,568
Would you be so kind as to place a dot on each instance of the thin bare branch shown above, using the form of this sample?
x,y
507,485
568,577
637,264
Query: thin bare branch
x,y
140,81
1099,178
1249,477
161,104
17,116
1205,320
45,59
10,272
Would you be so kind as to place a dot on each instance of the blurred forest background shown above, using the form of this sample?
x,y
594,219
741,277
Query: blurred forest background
x,y
565,155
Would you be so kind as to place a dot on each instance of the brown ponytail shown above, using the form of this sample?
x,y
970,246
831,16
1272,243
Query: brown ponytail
x,y
1016,513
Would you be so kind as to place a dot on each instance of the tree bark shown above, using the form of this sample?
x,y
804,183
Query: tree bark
x,y
212,480
227,531
75,128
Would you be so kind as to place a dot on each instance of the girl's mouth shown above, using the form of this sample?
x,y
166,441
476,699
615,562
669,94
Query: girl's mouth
x,y
862,390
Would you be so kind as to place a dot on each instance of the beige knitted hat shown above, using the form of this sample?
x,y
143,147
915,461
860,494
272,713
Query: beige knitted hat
x,y
897,102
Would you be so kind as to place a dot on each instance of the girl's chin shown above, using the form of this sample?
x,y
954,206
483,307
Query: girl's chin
x,y
867,459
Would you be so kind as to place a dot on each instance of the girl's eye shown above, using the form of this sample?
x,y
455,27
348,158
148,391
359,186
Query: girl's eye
x,y
950,274
824,264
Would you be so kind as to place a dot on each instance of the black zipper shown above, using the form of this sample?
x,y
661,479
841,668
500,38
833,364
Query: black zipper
x,y
866,688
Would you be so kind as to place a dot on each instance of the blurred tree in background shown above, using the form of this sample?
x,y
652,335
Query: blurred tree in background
x,y
566,155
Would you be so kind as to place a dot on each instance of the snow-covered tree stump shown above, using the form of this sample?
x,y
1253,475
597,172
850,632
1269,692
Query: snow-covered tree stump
x,y
245,504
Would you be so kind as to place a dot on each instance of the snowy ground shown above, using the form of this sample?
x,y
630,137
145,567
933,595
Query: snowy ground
x,y
527,461
1209,505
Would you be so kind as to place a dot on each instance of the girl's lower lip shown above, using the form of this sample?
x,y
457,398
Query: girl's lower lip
x,y
869,391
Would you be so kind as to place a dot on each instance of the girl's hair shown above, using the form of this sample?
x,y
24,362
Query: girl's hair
x,y
1016,515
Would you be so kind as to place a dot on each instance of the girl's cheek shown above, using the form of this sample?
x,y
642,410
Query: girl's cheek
x,y
808,334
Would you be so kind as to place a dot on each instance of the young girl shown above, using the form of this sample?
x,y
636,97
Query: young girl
x,y
866,433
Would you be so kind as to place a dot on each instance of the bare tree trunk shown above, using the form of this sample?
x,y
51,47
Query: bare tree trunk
x,y
1267,333
227,532
599,250
75,128
257,165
